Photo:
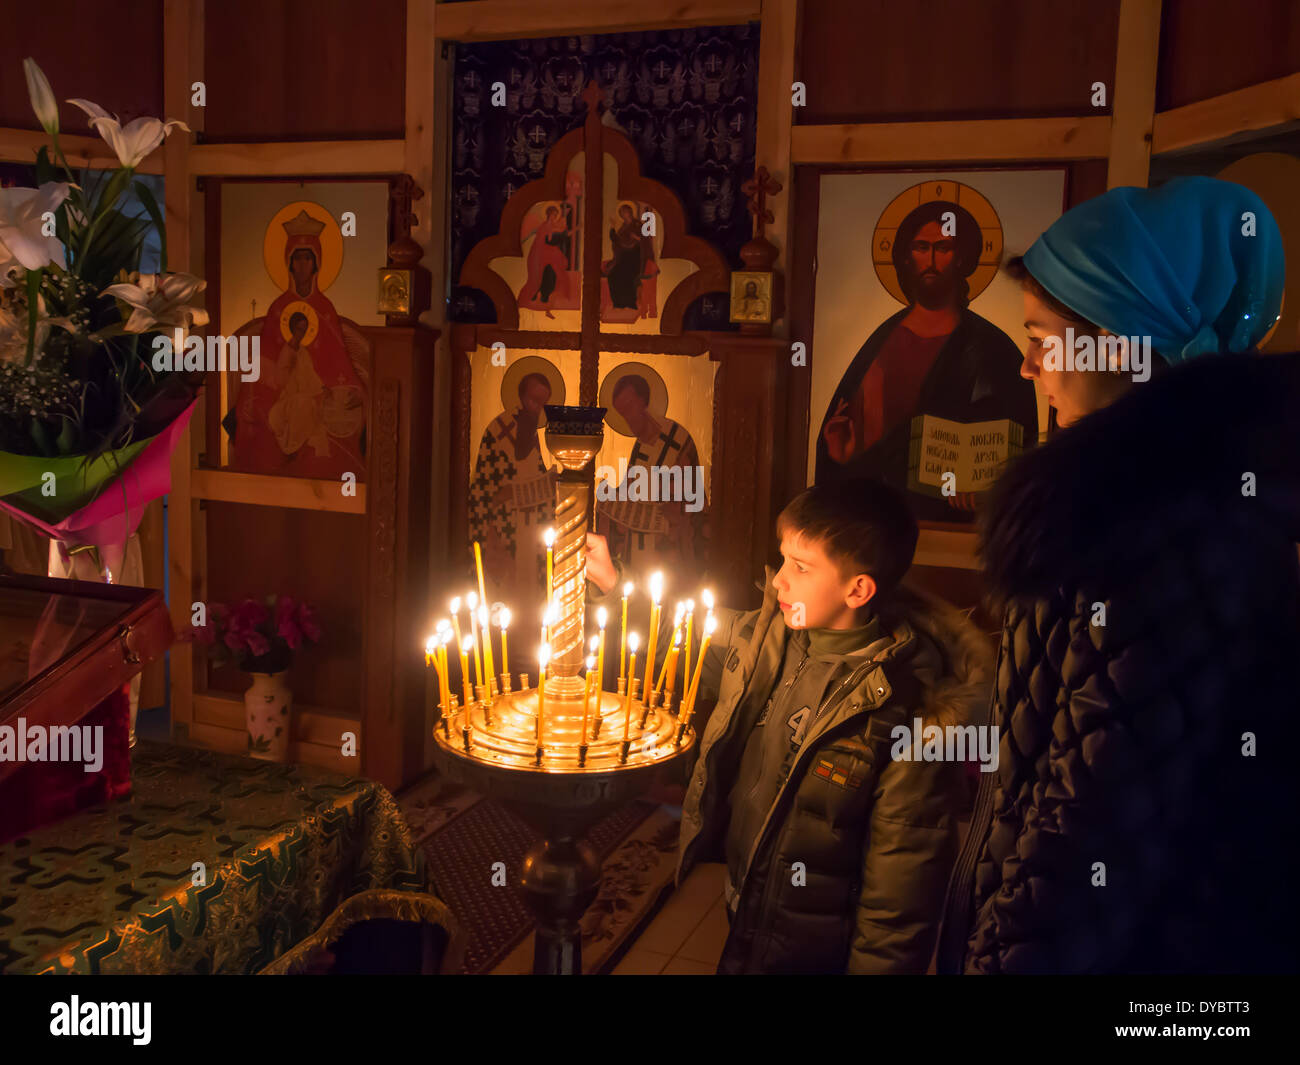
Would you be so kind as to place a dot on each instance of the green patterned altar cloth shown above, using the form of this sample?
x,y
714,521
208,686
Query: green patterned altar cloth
x,y
285,850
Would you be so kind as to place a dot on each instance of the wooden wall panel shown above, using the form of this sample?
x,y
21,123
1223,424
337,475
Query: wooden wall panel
x,y
254,551
882,61
1208,47
305,69
88,49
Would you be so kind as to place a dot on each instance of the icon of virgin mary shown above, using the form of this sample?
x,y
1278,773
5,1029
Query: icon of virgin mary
x,y
305,415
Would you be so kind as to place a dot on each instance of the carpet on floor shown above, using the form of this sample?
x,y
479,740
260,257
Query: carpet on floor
x,y
463,834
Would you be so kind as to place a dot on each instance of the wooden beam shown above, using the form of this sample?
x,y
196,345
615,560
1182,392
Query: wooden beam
x,y
1270,103
21,146
497,20
182,65
292,158
256,489
1133,99
777,42
986,140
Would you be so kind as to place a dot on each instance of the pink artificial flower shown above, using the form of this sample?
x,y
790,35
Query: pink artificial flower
x,y
236,641
258,644
286,626
247,617
307,622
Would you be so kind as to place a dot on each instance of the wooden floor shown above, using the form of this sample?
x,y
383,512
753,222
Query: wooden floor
x,y
686,936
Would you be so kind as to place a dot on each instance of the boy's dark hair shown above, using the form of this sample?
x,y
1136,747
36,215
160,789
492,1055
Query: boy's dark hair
x,y
862,525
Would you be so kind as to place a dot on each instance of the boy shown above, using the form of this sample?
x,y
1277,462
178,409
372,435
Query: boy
x,y
837,855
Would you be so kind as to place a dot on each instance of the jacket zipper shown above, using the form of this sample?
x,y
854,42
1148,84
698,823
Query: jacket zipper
x,y
803,751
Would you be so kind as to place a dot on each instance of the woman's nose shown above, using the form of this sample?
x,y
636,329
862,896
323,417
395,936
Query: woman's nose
x,y
1029,368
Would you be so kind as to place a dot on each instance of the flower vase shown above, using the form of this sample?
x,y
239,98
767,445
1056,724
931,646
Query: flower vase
x,y
109,564
268,706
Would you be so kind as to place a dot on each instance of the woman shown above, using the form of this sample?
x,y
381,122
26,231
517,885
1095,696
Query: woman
x,y
1146,556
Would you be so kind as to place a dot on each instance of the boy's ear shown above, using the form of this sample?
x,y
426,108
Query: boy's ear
x,y
862,589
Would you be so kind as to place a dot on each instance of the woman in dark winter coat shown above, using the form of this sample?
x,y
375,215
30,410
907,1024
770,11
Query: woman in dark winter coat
x,y
1142,816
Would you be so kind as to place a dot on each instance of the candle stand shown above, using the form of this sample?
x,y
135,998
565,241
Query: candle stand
x,y
567,767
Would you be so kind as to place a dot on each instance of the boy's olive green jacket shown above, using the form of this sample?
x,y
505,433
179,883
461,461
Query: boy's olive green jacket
x,y
849,869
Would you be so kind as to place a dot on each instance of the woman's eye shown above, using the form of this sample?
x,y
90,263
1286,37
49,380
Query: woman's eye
x,y
801,569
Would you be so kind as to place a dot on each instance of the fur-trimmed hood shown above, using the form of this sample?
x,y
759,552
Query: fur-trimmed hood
x,y
951,658
1189,436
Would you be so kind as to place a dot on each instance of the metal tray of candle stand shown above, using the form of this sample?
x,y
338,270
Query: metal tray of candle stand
x,y
561,874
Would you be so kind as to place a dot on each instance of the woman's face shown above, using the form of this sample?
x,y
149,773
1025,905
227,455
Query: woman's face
x,y
1074,393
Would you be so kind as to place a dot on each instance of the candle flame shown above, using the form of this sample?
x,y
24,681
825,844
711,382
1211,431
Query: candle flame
x,y
627,589
690,606
632,641
602,616
504,622
677,637
430,645
472,601
594,642
591,661
544,654
656,586
454,606
549,537
710,624
707,596
483,615
443,623
466,645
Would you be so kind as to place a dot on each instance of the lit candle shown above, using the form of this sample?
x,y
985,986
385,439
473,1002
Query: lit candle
x,y
443,640
478,566
672,666
602,615
586,693
677,626
690,622
431,658
504,622
454,606
656,592
622,638
465,645
549,537
483,620
543,656
471,601
710,624
632,642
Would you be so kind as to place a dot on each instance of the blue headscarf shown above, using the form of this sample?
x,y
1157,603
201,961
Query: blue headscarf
x,y
1170,263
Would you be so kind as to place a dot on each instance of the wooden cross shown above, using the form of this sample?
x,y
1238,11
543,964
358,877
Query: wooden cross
x,y
758,189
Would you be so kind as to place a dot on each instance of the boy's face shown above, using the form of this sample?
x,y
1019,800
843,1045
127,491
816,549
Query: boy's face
x,y
810,590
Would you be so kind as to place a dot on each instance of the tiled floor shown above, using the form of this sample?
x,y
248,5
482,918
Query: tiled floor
x,y
686,936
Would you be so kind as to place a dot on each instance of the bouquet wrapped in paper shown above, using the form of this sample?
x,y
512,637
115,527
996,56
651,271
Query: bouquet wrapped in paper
x,y
87,423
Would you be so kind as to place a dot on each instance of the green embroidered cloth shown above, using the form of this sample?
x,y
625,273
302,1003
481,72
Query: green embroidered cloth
x,y
286,851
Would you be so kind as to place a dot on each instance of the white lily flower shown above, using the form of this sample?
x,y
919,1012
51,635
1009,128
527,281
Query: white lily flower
x,y
22,221
134,143
160,301
15,324
41,96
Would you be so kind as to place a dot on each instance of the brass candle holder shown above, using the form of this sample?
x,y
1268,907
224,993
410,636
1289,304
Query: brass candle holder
x,y
562,786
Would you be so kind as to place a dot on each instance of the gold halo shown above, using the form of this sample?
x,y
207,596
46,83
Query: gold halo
x,y
313,322
519,369
331,245
882,240
658,395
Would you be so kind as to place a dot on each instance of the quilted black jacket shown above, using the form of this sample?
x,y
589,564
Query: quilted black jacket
x,y
1143,815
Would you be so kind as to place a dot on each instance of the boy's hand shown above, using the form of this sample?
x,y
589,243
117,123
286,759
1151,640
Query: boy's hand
x,y
600,567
